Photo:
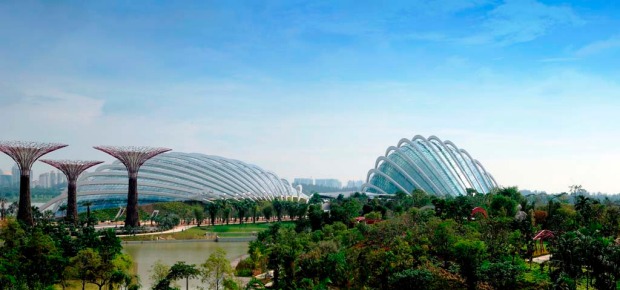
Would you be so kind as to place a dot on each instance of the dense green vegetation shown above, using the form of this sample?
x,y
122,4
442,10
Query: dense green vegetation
x,y
37,194
422,242
477,241
51,253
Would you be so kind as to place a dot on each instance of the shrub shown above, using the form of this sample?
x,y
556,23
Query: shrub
x,y
245,267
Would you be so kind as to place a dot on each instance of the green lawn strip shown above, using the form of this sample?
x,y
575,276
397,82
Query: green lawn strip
x,y
234,235
242,228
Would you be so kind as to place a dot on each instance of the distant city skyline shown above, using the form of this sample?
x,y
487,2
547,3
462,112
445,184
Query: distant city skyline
x,y
322,89
48,179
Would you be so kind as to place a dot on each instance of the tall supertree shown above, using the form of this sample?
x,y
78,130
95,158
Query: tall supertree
x,y
132,158
25,154
72,170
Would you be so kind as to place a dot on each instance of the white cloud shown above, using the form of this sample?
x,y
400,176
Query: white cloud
x,y
517,21
599,46
559,59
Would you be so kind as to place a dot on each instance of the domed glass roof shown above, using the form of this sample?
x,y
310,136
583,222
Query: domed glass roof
x,y
432,165
179,176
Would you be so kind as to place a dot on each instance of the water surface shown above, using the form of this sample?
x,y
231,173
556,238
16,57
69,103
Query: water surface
x,y
144,255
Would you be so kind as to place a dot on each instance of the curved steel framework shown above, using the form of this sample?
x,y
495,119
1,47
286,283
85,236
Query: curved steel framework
x,y
25,154
177,176
432,165
72,170
132,157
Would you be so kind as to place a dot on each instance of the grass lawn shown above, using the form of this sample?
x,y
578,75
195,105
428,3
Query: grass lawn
x,y
243,228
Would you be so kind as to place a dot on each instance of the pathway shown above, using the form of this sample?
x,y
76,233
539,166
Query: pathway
x,y
541,259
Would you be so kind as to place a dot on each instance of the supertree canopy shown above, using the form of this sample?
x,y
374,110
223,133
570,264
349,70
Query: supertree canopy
x,y
25,154
132,157
72,170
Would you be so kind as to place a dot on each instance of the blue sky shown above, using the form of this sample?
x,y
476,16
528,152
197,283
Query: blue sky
x,y
320,89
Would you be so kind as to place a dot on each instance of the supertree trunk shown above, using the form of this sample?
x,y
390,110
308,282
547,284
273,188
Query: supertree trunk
x,y
72,213
25,154
132,158
132,218
72,170
24,212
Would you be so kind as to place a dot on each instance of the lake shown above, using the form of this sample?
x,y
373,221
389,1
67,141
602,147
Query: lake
x,y
145,255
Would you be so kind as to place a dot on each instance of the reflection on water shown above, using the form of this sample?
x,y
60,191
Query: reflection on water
x,y
144,255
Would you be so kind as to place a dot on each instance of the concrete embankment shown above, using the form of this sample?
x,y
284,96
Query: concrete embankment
x,y
220,239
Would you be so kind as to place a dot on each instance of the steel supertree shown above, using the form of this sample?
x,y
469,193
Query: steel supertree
x,y
132,158
25,154
72,170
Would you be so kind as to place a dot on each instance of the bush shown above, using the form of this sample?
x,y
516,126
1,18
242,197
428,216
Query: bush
x,y
244,273
168,221
503,275
245,267
422,278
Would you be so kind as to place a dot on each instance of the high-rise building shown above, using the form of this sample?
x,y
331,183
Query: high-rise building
x,y
303,181
52,182
44,180
328,182
5,178
357,184
15,175
60,178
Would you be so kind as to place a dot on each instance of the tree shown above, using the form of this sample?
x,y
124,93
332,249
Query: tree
x,y
422,278
268,212
3,202
420,198
181,270
213,208
159,271
301,210
87,204
315,215
503,274
278,206
40,258
167,221
315,199
199,215
216,269
503,206
469,255
255,211
85,265
241,207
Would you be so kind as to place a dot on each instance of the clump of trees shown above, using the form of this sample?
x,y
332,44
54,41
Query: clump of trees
x,y
50,253
215,273
436,243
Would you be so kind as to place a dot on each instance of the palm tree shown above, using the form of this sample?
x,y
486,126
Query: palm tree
x,y
278,207
255,209
212,209
63,209
225,206
2,210
87,204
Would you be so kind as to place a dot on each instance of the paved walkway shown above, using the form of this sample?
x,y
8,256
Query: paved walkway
x,y
541,259
174,230
183,227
